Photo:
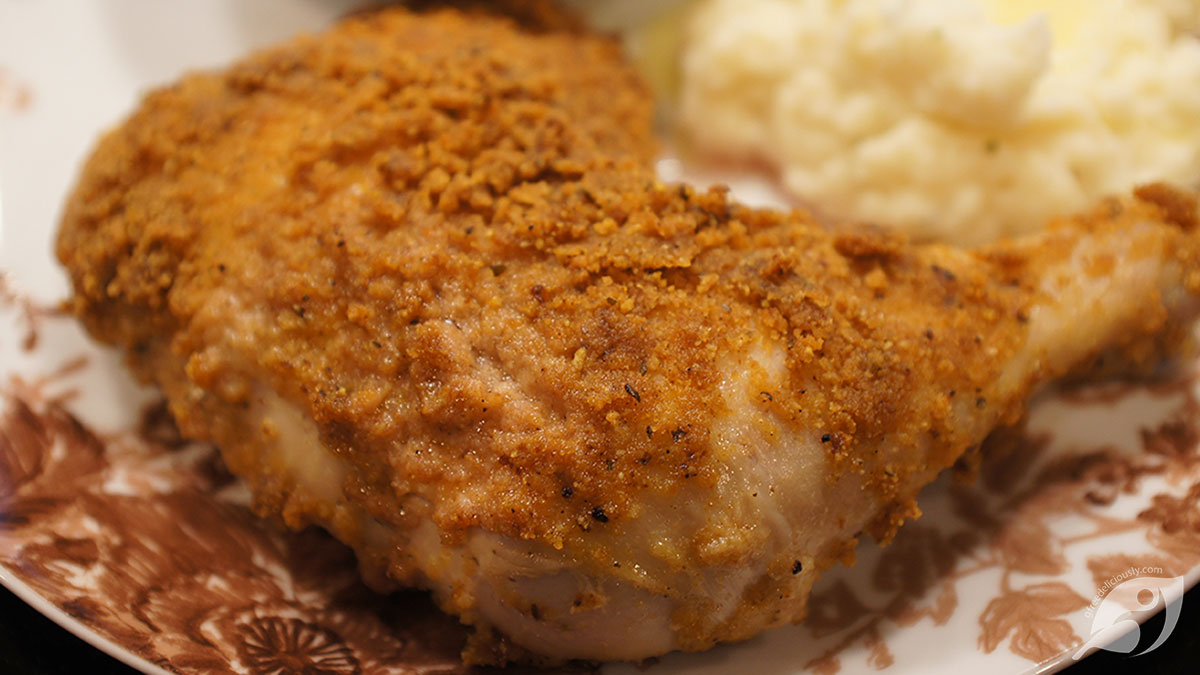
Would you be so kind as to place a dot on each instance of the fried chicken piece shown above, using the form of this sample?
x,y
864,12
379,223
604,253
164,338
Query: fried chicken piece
x,y
416,279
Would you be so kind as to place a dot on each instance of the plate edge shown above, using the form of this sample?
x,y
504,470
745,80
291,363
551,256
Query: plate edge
x,y
76,627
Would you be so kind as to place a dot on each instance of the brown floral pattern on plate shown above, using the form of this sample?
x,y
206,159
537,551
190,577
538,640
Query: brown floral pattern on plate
x,y
147,539
1004,523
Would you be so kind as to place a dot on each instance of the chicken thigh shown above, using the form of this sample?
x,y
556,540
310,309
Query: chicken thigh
x,y
417,280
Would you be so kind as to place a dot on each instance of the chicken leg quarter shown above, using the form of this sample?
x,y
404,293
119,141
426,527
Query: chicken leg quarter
x,y
417,280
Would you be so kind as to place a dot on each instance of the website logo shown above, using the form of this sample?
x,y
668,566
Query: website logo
x,y
1123,602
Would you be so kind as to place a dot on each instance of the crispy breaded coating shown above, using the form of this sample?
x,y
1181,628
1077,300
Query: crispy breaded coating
x,y
417,279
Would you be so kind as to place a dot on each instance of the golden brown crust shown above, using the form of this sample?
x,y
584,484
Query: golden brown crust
x,y
371,188
397,206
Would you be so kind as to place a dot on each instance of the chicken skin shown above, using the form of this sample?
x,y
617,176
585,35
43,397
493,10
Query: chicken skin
x,y
417,280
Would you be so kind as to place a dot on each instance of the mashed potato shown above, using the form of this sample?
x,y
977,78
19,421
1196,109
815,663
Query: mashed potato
x,y
960,120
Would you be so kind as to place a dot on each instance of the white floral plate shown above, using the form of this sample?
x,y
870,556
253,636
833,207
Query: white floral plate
x,y
142,544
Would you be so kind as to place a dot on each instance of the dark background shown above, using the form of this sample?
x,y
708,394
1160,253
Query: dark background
x,y
31,643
